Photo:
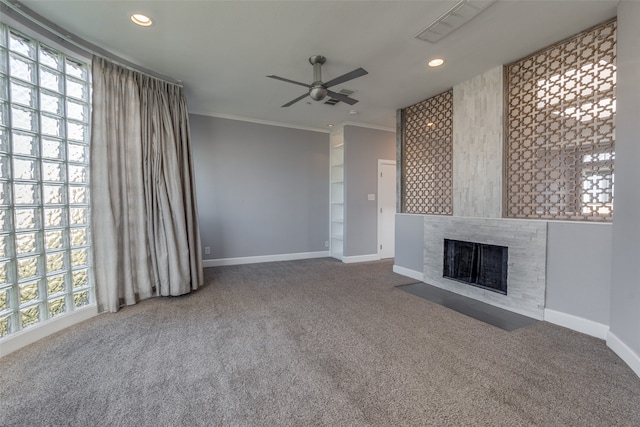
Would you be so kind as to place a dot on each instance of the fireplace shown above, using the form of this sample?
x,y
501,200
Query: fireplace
x,y
527,243
476,264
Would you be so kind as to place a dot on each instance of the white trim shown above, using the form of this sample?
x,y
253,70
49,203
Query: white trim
x,y
364,125
629,356
527,313
576,323
292,126
261,122
264,258
360,258
378,209
418,275
22,338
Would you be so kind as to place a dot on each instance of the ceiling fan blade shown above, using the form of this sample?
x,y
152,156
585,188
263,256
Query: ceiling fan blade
x,y
346,77
295,100
289,81
341,97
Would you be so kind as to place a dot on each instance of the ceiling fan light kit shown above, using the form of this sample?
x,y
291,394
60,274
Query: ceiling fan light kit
x,y
318,90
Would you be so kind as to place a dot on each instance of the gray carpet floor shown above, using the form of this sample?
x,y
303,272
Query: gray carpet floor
x,y
313,342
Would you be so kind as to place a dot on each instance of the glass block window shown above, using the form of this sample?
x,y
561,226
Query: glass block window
x,y
560,129
45,257
427,156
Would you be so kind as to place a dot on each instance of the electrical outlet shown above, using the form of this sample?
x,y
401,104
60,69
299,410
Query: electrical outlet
x,y
326,243
207,250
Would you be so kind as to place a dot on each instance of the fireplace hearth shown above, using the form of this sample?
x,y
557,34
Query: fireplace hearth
x,y
476,264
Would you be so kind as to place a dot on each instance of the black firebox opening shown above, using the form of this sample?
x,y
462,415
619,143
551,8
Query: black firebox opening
x,y
476,264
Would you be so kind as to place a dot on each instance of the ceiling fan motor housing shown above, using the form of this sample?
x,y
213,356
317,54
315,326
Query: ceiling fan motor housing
x,y
317,92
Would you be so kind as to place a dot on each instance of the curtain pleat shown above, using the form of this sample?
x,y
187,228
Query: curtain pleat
x,y
144,216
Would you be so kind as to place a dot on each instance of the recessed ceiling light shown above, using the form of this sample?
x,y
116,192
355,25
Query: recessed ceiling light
x,y
141,19
330,125
436,62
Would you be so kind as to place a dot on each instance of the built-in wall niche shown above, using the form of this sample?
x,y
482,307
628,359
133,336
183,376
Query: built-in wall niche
x,y
476,264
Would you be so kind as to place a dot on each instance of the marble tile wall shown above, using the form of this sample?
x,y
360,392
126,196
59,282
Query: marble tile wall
x,y
526,270
477,146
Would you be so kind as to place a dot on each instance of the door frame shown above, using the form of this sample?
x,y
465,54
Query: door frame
x,y
379,234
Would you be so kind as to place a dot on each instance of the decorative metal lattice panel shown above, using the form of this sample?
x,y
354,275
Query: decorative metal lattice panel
x,y
427,158
560,129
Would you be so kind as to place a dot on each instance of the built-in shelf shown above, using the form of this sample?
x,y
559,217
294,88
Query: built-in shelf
x,y
337,193
337,229
337,173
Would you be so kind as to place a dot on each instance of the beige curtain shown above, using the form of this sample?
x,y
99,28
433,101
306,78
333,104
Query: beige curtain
x,y
144,220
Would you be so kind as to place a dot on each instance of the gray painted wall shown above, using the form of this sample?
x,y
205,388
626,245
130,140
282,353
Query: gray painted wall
x,y
579,269
261,189
625,287
410,242
363,147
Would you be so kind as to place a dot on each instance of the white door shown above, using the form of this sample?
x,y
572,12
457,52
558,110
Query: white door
x,y
386,208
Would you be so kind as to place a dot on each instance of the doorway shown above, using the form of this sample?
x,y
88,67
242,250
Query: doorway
x,y
386,208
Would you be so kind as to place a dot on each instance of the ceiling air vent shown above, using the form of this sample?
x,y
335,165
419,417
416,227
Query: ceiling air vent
x,y
453,19
333,101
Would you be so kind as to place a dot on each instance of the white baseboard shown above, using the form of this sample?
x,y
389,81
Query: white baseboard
x,y
418,275
532,313
264,258
629,356
576,323
360,258
20,339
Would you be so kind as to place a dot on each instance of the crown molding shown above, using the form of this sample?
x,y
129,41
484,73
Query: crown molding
x,y
292,126
365,125
259,121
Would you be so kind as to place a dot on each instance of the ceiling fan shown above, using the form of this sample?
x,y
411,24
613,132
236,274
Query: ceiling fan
x,y
318,90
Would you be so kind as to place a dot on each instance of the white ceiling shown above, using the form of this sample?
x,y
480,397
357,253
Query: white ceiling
x,y
223,50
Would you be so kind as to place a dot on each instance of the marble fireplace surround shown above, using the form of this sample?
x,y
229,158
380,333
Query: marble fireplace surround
x,y
526,268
